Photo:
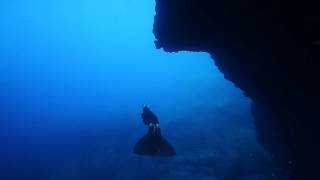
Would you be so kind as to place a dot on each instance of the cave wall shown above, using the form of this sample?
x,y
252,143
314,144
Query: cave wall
x,y
270,50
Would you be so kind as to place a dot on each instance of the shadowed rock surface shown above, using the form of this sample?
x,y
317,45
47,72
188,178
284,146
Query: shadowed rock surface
x,y
268,49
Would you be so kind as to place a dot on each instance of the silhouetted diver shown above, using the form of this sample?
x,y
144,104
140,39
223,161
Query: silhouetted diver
x,y
153,144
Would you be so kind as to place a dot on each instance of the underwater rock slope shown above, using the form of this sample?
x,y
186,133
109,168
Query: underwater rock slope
x,y
268,49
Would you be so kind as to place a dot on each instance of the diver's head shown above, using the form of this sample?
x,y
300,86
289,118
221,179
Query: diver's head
x,y
145,107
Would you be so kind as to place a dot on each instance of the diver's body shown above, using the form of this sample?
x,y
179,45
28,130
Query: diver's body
x,y
151,120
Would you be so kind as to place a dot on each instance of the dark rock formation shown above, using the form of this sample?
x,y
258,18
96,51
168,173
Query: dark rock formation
x,y
267,48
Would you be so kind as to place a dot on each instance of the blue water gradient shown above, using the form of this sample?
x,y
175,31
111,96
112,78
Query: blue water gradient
x,y
73,77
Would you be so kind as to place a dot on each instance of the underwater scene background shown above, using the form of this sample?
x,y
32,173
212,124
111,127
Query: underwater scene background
x,y
73,78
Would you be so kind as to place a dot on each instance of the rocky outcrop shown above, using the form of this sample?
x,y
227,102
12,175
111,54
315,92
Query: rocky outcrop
x,y
268,49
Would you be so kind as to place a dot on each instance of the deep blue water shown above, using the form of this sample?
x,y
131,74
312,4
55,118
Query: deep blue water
x,y
73,77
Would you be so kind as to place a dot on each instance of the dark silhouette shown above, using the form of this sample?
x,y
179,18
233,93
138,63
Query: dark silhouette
x,y
153,144
270,50
149,117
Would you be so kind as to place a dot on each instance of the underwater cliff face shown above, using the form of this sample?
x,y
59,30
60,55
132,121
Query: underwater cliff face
x,y
73,78
268,49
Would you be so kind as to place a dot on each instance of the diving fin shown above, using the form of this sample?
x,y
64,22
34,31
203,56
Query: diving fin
x,y
154,145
